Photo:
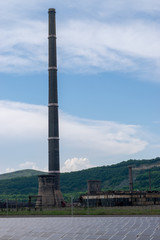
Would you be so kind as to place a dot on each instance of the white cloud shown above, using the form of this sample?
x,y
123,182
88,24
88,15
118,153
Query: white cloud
x,y
100,138
28,165
23,138
31,165
24,47
118,37
8,170
76,164
22,121
115,46
25,165
26,121
23,135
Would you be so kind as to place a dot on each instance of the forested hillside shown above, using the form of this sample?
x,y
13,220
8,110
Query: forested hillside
x,y
114,177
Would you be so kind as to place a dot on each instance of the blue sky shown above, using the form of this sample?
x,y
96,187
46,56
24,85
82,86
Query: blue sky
x,y
108,82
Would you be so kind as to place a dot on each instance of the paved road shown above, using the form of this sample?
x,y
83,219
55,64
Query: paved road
x,y
80,228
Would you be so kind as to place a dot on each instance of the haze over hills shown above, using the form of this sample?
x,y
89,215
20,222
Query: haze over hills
x,y
114,177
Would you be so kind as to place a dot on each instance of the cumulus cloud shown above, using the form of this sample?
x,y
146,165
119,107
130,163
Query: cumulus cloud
x,y
75,164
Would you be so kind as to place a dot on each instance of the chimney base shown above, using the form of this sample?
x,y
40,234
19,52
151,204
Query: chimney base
x,y
50,197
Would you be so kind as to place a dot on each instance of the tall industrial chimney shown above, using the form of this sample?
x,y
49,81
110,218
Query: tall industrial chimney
x,y
49,185
53,133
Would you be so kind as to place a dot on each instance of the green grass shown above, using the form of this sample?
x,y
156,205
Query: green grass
x,y
84,211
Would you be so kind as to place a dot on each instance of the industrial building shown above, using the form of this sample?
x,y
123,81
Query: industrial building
x,y
95,197
121,198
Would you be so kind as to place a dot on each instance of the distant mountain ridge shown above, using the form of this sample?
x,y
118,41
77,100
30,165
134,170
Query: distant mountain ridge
x,y
114,177
21,173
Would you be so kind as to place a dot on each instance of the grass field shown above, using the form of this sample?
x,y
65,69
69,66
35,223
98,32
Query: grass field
x,y
149,210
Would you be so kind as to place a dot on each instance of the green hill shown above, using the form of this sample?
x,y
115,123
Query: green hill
x,y
21,173
114,177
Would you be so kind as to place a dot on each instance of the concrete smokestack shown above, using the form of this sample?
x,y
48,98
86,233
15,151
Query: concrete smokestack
x,y
49,185
53,133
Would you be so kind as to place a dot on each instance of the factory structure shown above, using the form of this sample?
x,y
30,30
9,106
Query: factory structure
x,y
95,197
49,193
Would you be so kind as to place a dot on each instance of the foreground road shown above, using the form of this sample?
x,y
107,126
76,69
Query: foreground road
x,y
80,228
